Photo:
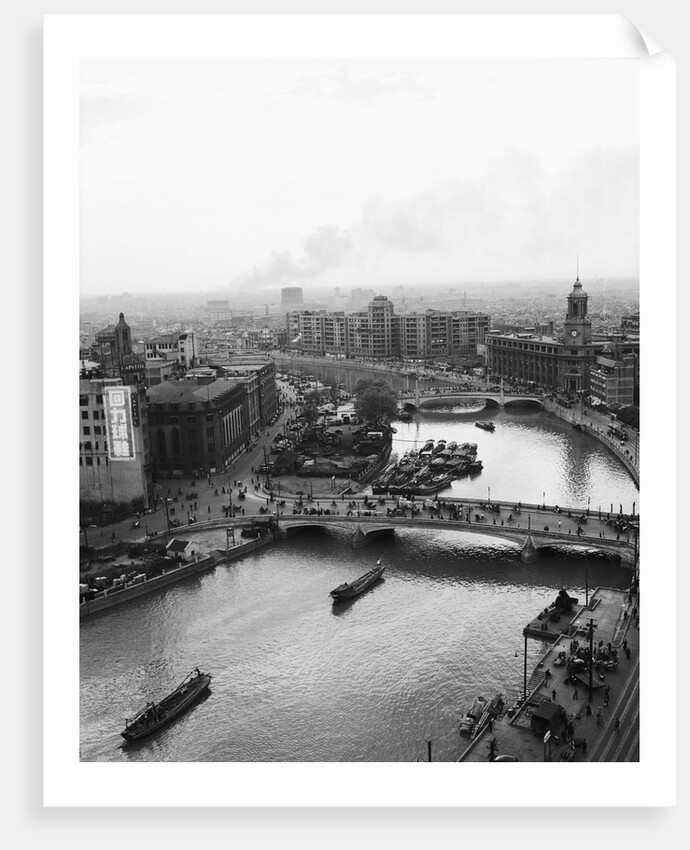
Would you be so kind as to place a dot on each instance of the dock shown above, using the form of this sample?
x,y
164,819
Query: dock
x,y
614,615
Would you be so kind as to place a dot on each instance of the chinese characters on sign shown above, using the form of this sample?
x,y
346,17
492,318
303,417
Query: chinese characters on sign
x,y
118,408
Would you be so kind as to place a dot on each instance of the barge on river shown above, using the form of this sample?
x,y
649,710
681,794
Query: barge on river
x,y
155,715
348,590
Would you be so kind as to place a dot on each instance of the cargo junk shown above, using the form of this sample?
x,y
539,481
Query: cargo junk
x,y
348,590
155,715
429,470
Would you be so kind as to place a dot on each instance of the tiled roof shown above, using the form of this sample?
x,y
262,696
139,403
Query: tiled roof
x,y
189,392
177,545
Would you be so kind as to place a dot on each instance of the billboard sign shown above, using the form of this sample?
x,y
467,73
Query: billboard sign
x,y
118,412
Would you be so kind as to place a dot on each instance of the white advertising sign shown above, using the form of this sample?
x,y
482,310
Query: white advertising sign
x,y
118,412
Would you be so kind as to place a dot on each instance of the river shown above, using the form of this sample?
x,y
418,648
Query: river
x,y
297,679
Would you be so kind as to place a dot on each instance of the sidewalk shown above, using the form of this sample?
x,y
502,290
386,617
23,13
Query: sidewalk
x,y
514,735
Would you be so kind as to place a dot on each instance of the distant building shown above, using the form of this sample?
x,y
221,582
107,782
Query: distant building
x,y
546,361
291,297
115,463
379,333
179,347
630,325
218,311
112,343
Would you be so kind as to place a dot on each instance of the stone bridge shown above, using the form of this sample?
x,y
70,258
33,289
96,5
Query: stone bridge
x,y
493,399
530,540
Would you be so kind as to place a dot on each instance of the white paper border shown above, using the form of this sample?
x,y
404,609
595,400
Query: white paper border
x,y
69,38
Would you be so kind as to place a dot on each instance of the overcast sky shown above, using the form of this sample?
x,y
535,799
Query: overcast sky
x,y
198,175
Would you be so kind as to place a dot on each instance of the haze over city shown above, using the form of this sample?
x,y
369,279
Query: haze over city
x,y
240,177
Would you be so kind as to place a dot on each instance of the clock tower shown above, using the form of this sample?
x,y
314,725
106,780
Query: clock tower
x,y
577,327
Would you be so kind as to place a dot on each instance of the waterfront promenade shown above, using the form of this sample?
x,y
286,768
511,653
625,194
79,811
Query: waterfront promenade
x,y
615,615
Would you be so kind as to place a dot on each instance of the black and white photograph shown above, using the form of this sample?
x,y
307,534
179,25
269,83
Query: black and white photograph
x,y
359,411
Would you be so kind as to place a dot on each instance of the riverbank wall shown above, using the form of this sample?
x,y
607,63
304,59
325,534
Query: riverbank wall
x,y
597,430
117,597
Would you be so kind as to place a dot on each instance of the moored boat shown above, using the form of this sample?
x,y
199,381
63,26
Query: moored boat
x,y
487,426
470,719
493,710
348,590
155,715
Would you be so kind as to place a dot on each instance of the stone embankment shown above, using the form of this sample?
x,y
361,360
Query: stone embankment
x,y
597,427
111,598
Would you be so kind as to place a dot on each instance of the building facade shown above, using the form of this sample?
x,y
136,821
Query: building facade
x,y
197,426
379,333
115,463
180,348
557,364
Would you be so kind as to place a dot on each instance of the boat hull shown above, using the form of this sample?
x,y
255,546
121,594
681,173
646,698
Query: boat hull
x,y
350,591
139,729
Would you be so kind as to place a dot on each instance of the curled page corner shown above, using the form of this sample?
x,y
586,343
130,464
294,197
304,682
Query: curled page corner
x,y
645,45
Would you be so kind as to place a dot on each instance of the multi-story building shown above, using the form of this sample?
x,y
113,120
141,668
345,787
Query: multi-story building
x,y
197,425
115,464
181,348
612,380
379,333
630,325
546,361
291,297
257,373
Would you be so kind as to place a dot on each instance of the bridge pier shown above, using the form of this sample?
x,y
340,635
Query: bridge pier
x,y
363,538
529,552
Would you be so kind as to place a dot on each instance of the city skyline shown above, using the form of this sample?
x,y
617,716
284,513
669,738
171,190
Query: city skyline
x,y
229,176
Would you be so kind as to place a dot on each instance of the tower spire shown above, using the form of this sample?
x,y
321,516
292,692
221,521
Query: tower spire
x,y
578,267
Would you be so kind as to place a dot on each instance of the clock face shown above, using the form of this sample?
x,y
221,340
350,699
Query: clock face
x,y
573,333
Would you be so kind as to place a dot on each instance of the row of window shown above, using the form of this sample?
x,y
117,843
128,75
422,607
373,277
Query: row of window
x,y
87,430
84,400
97,414
88,460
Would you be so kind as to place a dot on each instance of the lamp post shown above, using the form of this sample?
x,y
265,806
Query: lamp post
x,y
543,501
529,522
489,490
524,672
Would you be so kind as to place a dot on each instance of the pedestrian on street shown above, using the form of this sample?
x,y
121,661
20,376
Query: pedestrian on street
x,y
627,653
617,725
625,645
575,694
553,694
588,710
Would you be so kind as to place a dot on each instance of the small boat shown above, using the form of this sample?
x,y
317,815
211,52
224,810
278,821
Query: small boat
x,y
493,710
428,447
155,715
487,426
348,590
470,719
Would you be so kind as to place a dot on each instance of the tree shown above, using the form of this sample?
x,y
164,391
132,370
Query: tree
x,y
375,402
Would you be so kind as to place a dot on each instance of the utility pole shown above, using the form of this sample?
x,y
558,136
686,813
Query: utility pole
x,y
167,517
591,657
428,744
587,581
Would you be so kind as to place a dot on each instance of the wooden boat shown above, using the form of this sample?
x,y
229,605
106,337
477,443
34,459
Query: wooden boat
x,y
155,715
470,719
348,590
487,426
493,710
